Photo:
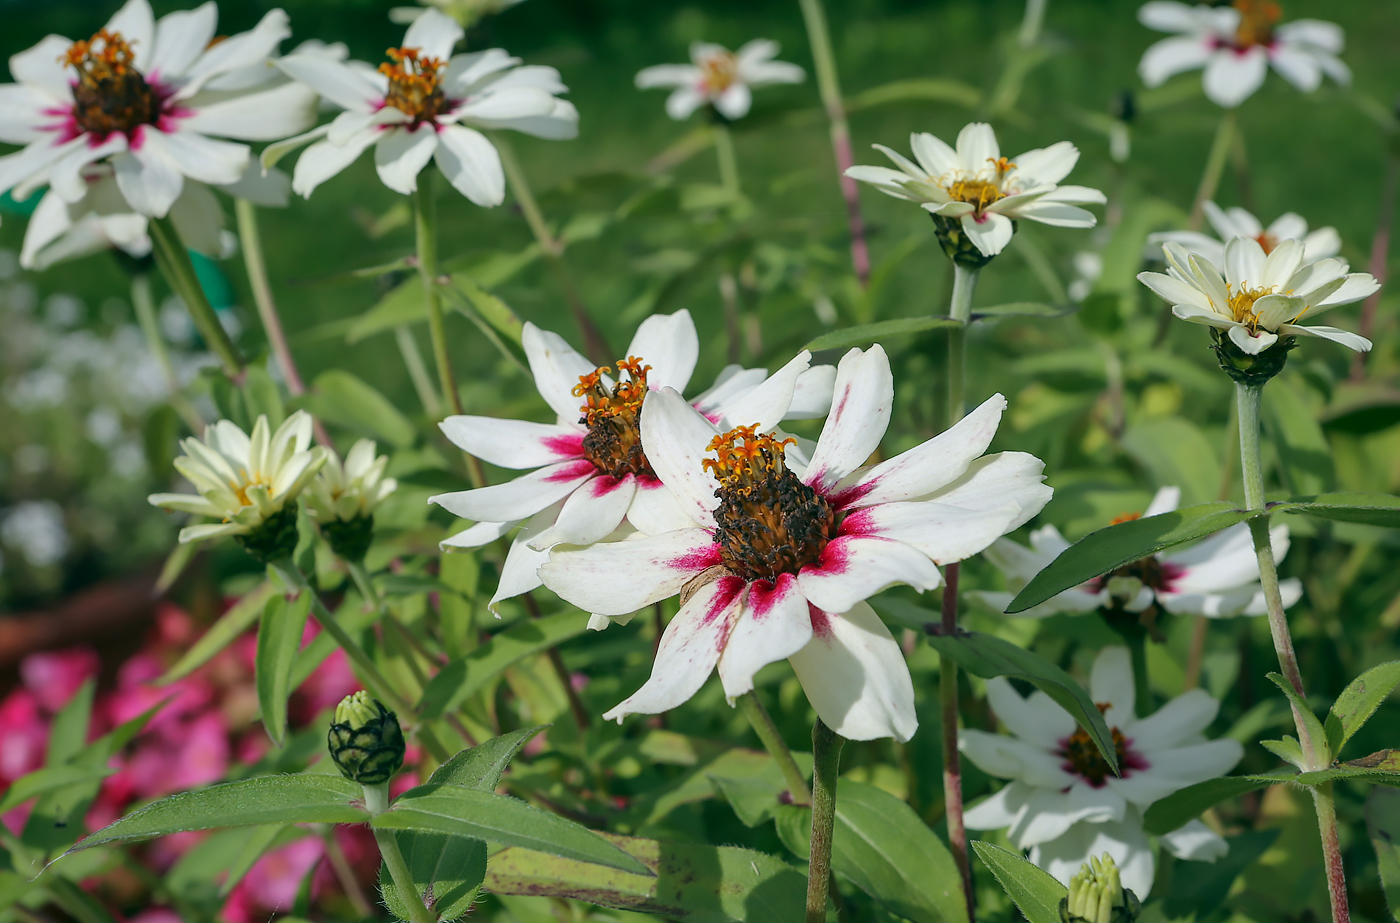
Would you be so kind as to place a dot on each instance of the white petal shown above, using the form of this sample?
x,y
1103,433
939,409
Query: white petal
x,y
766,405
667,75
676,439
1124,841
137,24
998,810
591,513
1171,56
266,116
513,443
995,481
621,577
1111,684
34,158
1165,500
472,165
735,101
520,572
1298,66
434,34
1358,285
560,123
42,67
1050,814
667,343
855,676
1326,36
811,398
989,235
205,159
655,509
343,85
1171,770
1169,16
483,533
244,50
322,160
977,145
689,649
1047,165
1335,334
180,37
944,533
66,174
1055,214
934,155
557,368
1255,344
1183,718
854,568
773,625
1012,758
1196,842
149,182
860,413
683,101
1232,77
1036,720
402,153
23,117
522,497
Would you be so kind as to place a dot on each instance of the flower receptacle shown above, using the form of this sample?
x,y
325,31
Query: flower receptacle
x,y
273,539
1248,369
365,740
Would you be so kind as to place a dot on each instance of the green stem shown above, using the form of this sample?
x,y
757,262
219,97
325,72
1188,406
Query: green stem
x,y
1326,807
775,745
377,802
418,372
1142,688
145,305
1215,165
724,153
175,264
594,343
250,242
425,222
1032,21
826,754
345,875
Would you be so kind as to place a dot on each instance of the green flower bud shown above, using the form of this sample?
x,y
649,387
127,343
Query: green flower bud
x,y
350,538
959,247
272,539
365,740
1096,895
1247,369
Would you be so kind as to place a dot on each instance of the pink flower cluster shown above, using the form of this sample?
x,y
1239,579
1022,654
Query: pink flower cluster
x,y
207,722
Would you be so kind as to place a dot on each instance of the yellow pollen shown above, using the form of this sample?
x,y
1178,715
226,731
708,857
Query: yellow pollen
x,y
613,417
1242,305
110,95
718,72
976,192
414,87
1257,21
743,454
1003,164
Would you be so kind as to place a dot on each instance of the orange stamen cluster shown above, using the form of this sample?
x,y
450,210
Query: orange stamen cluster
x,y
742,454
110,95
718,72
1257,21
414,84
1003,164
613,417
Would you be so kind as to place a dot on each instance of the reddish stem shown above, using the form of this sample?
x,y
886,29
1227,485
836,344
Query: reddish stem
x,y
952,763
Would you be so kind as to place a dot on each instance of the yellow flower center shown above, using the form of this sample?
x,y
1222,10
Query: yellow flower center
x,y
613,417
1257,21
1242,304
110,95
768,522
718,72
414,87
976,192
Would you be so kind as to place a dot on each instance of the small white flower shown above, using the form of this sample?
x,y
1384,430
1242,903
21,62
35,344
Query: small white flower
x,y
1062,786
1129,845
426,105
985,191
592,472
1217,577
722,78
1236,44
243,480
1260,296
782,553
137,95
352,490
1236,222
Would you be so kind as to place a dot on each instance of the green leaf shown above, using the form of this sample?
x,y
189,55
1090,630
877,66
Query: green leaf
x,y
238,619
1358,702
480,767
1320,756
1383,823
341,398
1304,454
308,798
463,678
261,396
1175,451
46,780
1022,309
1104,551
403,305
1382,766
686,881
871,333
1367,509
491,308
279,639
1186,805
500,819
1033,890
987,656
69,730
1288,749
917,89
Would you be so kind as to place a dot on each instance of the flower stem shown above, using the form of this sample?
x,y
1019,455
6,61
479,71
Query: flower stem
x,y
775,745
829,85
1215,165
826,753
175,264
1248,399
594,343
377,802
1032,21
724,153
145,306
425,222
418,372
1142,688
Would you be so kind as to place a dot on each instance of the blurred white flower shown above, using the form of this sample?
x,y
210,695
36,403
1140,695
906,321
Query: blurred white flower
x,y
1236,44
35,529
136,95
466,12
1217,577
1260,297
1088,268
1063,787
426,105
722,78
1236,222
981,190
351,490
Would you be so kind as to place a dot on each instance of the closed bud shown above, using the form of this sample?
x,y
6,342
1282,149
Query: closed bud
x,y
1096,895
1250,369
365,740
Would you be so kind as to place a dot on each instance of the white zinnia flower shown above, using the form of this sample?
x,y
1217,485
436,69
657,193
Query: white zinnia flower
x,y
420,107
1236,222
986,192
137,95
1217,577
722,78
592,472
243,480
1236,44
1260,296
782,553
352,490
1062,786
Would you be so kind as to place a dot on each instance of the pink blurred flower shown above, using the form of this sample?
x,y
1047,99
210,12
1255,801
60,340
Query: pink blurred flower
x,y
54,676
273,882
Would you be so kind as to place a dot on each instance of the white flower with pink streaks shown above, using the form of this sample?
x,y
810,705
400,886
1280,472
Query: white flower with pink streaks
x,y
781,553
142,94
592,474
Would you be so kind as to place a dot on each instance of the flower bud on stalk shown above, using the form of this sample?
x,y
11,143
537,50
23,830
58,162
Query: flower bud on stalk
x,y
343,498
1246,369
1096,895
365,740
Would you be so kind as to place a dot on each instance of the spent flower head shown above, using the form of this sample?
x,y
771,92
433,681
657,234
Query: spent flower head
x,y
720,78
976,195
365,740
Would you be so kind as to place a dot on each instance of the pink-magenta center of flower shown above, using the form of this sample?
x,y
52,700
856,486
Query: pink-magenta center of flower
x,y
110,94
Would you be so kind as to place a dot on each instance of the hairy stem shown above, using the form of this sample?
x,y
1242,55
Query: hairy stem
x,y
829,85
377,802
175,264
1326,808
775,745
1215,165
826,753
144,303
425,223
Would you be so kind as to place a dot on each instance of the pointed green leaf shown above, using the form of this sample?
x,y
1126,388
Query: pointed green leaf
x,y
1287,749
309,798
920,89
1358,702
987,656
69,730
1031,888
1320,755
1382,767
880,330
47,779
341,398
1104,551
279,638
500,819
1186,805
480,767
1367,509
1383,824
490,308
403,305
461,679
